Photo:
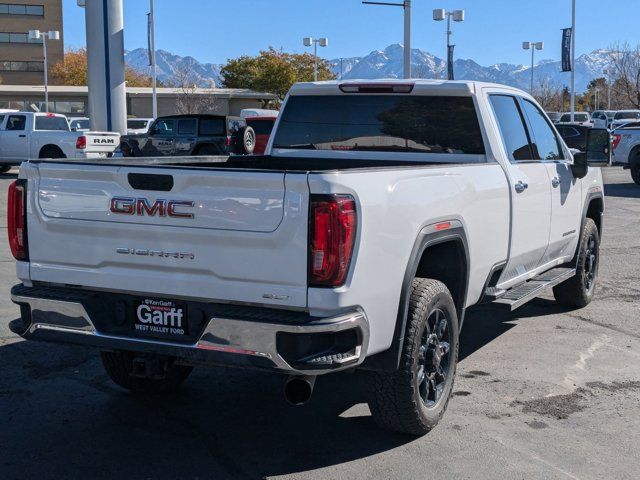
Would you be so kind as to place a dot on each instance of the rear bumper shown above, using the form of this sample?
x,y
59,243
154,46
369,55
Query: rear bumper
x,y
313,347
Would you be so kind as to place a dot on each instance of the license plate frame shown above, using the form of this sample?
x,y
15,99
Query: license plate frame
x,y
160,317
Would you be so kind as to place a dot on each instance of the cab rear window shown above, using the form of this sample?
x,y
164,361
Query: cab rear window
x,y
51,123
378,123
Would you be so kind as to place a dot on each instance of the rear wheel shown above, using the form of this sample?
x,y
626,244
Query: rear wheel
x,y
144,374
577,292
413,398
51,151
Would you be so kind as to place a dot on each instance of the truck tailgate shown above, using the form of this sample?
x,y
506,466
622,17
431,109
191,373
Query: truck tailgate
x,y
102,142
133,229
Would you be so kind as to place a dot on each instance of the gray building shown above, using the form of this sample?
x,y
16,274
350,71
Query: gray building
x,y
73,101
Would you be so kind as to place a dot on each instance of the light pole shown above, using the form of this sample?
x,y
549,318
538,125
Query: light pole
x,y
608,79
407,32
533,46
573,59
152,60
51,35
440,14
323,42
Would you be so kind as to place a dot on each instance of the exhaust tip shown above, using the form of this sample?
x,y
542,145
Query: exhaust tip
x,y
298,390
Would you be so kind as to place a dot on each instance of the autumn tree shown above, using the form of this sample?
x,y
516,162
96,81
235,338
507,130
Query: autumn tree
x,y
625,66
273,71
72,70
548,94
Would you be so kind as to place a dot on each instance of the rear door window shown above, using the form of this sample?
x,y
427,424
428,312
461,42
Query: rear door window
x,y
187,126
381,123
512,127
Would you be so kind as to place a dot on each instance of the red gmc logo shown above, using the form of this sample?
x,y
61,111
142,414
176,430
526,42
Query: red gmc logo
x,y
143,206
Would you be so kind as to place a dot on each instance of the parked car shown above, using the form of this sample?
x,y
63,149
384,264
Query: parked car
x,y
262,126
79,124
554,116
623,117
137,126
191,135
28,136
579,118
358,241
575,136
602,118
626,149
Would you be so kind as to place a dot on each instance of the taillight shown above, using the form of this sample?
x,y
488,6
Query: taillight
x,y
81,142
332,233
227,142
17,219
616,140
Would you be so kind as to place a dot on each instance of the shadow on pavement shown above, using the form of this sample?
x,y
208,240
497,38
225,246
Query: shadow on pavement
x,y
624,190
63,418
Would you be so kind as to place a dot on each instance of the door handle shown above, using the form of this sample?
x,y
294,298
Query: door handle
x,y
22,136
521,186
555,182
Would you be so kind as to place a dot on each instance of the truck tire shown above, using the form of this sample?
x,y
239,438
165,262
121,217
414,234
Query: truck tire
x,y
634,164
51,151
413,398
577,292
119,367
247,140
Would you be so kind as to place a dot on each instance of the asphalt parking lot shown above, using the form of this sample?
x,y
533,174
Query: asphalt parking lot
x,y
540,393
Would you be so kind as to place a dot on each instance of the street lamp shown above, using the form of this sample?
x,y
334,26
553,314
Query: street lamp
x,y
440,14
406,6
533,46
51,35
323,42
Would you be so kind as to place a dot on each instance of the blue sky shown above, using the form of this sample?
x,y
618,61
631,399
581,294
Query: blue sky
x,y
215,30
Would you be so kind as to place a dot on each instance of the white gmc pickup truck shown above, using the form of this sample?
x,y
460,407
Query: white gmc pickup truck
x,y
383,210
27,136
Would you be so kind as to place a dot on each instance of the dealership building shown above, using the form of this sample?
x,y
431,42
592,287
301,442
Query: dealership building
x,y
73,101
22,73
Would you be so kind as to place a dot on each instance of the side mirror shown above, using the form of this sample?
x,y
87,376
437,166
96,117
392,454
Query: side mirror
x,y
598,147
598,152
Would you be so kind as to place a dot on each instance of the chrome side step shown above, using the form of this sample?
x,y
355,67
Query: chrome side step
x,y
527,291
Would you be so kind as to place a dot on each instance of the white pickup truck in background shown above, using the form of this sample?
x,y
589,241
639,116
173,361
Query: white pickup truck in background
x,y
383,211
29,136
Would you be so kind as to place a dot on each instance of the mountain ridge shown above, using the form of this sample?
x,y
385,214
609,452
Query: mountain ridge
x,y
387,63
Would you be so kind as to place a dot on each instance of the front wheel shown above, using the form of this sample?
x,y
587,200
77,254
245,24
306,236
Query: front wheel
x,y
413,398
577,292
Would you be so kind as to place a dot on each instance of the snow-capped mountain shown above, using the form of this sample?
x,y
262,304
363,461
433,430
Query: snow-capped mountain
x,y
387,63
172,68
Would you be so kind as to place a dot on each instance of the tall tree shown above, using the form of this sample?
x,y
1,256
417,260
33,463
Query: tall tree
x,y
273,71
72,70
625,63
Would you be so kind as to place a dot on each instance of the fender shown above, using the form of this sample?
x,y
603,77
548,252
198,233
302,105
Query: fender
x,y
428,237
591,196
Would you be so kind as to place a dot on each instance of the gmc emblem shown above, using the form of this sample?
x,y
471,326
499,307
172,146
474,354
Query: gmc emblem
x,y
143,206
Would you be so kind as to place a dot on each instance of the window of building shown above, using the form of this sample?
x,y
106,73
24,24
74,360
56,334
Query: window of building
x,y
12,9
7,66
